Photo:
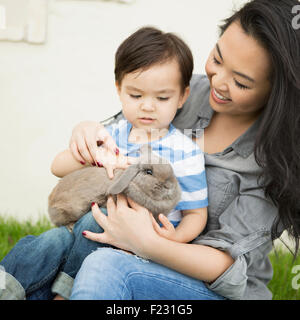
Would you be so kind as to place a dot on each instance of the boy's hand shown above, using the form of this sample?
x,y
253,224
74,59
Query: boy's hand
x,y
167,230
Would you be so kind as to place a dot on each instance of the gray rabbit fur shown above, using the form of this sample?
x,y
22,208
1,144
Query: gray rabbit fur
x,y
150,182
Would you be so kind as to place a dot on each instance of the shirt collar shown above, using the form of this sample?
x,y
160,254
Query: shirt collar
x,y
244,145
206,112
125,132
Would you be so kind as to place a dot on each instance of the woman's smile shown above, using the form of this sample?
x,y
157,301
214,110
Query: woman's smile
x,y
218,97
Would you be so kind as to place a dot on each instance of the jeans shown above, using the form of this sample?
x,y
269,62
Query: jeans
x,y
39,267
109,274
34,263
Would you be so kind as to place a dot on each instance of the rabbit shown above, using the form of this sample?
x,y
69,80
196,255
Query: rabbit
x,y
150,182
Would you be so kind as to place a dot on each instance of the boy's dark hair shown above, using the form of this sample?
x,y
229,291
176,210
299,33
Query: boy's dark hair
x,y
149,46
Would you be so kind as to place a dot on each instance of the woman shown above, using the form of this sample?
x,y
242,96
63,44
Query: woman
x,y
248,107
251,126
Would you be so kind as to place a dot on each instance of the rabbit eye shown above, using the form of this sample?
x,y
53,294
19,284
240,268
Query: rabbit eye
x,y
149,171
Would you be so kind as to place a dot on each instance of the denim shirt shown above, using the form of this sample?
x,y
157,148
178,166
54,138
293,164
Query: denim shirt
x,y
239,215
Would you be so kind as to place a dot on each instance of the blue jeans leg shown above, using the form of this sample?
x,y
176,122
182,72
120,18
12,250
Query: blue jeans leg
x,y
81,249
36,261
82,246
109,274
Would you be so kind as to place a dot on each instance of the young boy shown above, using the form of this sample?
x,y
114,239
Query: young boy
x,y
152,71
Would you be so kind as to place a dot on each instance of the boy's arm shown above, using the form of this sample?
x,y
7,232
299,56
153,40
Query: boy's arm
x,y
65,163
189,228
192,224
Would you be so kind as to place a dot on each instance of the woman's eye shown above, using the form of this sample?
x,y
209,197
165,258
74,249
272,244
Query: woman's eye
x,y
241,86
163,98
216,61
135,96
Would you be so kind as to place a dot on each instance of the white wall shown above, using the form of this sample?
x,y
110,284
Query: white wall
x,y
46,89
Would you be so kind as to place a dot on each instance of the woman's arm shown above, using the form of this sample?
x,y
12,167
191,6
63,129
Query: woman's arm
x,y
197,261
64,163
129,226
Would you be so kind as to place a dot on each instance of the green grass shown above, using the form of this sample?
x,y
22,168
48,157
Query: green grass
x,y
12,230
281,284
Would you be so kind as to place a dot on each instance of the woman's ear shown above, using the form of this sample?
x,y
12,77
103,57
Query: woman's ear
x,y
184,97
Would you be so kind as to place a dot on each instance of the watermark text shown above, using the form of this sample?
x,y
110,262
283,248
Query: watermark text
x,y
296,19
296,279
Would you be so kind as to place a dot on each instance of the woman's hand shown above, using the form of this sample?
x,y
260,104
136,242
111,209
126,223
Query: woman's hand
x,y
131,229
127,226
110,161
86,137
92,143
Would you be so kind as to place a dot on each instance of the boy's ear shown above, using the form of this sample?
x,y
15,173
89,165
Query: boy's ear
x,y
118,87
184,97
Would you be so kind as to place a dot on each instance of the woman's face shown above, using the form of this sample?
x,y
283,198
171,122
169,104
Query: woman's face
x,y
239,71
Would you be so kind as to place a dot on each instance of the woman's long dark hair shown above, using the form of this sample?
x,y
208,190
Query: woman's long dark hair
x,y
277,147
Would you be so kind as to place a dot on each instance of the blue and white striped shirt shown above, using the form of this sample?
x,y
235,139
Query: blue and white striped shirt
x,y
183,154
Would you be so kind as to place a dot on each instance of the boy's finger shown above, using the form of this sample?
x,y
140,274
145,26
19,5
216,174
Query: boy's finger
x,y
155,224
165,221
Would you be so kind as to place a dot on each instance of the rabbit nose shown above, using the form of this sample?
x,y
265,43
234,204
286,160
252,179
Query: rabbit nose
x,y
168,185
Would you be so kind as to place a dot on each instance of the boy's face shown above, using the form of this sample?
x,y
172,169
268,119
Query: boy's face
x,y
151,98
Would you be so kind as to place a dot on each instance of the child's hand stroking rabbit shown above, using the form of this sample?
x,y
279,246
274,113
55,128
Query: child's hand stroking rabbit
x,y
150,182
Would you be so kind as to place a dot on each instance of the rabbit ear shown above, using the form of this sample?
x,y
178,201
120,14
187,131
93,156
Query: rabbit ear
x,y
123,181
